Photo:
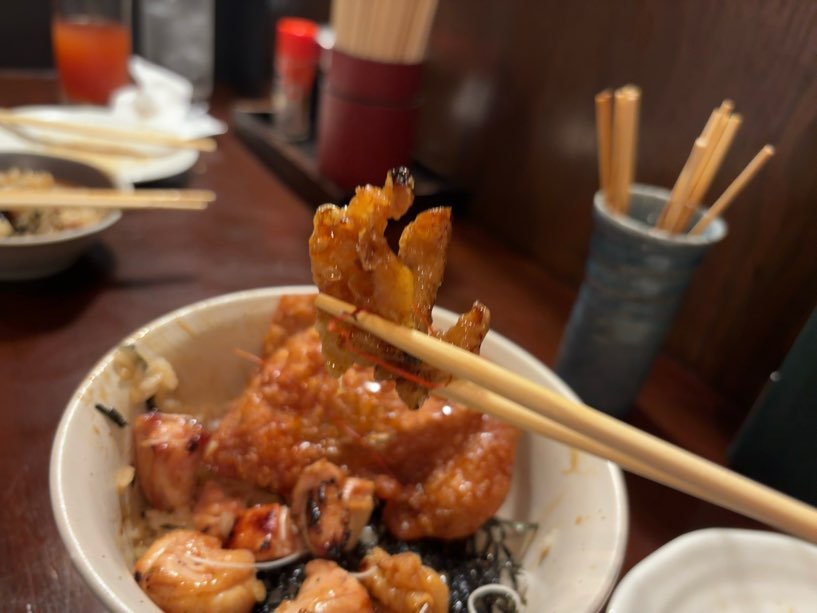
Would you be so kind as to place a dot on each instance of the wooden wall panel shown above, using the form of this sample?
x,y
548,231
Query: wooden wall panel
x,y
509,112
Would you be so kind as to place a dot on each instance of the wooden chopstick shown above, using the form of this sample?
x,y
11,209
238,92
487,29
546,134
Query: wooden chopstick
x,y
604,138
485,401
731,192
624,147
117,134
708,175
620,146
397,31
181,199
680,190
669,464
68,147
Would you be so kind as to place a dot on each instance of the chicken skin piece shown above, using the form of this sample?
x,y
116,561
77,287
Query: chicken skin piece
x,y
188,572
351,259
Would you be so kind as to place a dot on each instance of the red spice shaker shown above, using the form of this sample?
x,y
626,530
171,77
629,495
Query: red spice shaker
x,y
296,59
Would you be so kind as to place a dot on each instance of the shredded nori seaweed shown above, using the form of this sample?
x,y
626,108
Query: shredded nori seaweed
x,y
483,558
112,414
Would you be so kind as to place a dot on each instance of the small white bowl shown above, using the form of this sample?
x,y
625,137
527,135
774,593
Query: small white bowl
x,y
579,501
724,570
42,255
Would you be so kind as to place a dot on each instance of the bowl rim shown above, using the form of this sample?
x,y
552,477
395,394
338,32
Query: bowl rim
x,y
112,216
57,465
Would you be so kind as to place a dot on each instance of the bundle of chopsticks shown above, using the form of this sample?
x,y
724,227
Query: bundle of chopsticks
x,y
396,31
100,139
493,390
617,130
177,199
617,133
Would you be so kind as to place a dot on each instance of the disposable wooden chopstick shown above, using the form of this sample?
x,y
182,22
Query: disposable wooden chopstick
x,y
713,164
633,109
68,147
681,188
619,150
419,43
712,134
485,401
604,138
734,189
403,14
117,134
715,159
625,120
107,198
686,471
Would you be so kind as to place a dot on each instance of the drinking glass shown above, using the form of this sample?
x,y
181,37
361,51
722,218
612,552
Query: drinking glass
x,y
179,35
92,44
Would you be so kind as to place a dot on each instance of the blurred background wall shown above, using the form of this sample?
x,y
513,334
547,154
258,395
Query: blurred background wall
x,y
508,113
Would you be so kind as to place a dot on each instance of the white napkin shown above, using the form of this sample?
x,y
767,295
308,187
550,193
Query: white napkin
x,y
162,100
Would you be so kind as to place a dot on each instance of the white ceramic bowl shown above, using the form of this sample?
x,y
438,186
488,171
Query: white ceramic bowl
x,y
41,255
724,570
579,501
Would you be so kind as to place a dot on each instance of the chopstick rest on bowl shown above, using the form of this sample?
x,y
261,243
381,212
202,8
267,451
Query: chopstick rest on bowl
x,y
183,199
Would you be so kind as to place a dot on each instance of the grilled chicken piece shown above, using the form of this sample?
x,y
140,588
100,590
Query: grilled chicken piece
x,y
401,584
268,530
188,572
328,589
216,510
168,454
330,508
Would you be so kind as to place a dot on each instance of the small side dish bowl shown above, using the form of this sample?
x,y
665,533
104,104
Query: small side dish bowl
x,y
578,501
722,569
41,255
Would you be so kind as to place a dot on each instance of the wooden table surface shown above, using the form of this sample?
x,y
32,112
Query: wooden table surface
x,y
52,332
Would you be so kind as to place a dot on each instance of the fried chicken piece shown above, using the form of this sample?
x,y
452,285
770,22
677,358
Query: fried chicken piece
x,y
186,571
328,589
442,470
401,584
352,260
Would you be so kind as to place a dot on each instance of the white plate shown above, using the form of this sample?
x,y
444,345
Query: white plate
x,y
579,501
723,570
130,170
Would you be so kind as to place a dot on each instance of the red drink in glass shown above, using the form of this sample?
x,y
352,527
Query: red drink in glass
x,y
91,56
